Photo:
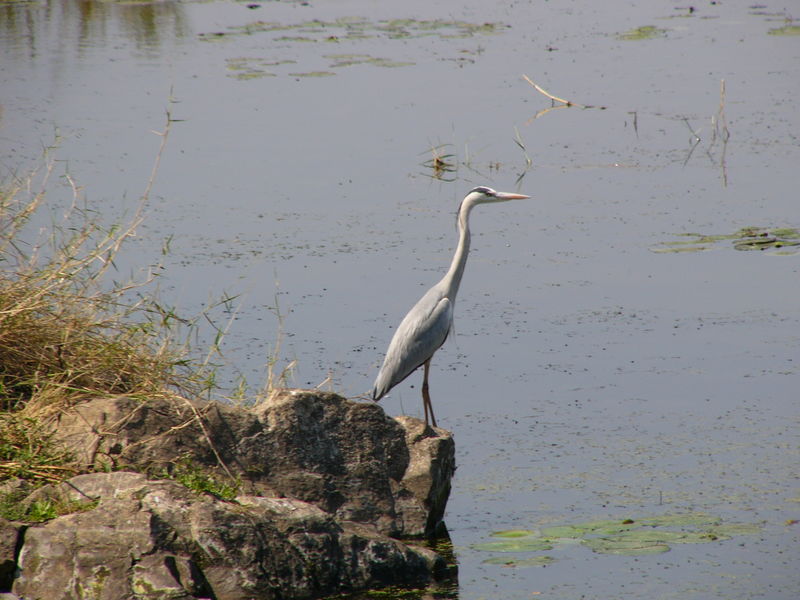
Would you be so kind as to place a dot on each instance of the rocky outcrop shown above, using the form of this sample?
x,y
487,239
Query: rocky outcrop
x,y
327,489
157,539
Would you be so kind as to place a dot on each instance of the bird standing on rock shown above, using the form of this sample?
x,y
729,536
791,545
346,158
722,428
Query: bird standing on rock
x,y
426,326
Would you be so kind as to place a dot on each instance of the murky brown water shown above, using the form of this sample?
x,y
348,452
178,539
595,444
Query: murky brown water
x,y
590,376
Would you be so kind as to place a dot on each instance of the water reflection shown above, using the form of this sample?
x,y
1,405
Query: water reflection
x,y
29,27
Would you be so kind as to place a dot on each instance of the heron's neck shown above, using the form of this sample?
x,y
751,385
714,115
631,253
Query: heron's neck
x,y
453,278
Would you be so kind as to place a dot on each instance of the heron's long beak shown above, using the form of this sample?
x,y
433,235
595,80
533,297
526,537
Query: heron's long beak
x,y
510,196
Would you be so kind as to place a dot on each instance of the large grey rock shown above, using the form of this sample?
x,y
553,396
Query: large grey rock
x,y
328,486
347,458
159,540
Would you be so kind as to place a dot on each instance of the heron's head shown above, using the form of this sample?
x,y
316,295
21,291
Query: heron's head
x,y
483,194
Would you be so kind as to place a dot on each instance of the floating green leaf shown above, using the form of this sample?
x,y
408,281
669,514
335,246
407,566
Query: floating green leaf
x,y
527,544
680,520
628,537
625,547
513,533
563,531
509,561
604,527
780,240
730,530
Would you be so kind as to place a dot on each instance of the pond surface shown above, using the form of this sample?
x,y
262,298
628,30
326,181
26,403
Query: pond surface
x,y
594,375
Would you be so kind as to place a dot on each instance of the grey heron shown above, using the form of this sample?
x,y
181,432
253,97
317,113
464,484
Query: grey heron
x,y
426,326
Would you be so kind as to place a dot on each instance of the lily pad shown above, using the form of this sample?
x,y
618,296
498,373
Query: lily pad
x,y
673,537
604,527
781,240
509,561
513,533
526,544
563,531
729,530
627,537
680,520
625,547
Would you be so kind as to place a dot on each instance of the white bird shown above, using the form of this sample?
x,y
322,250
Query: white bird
x,y
426,326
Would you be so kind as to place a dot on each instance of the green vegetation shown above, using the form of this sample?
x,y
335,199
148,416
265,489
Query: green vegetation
x,y
339,31
645,32
347,60
13,506
65,334
628,537
245,67
532,561
313,74
778,241
26,451
200,481
359,28
68,335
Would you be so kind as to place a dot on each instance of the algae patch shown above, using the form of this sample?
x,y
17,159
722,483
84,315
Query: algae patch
x,y
777,241
293,38
313,74
348,60
786,30
625,537
252,68
359,28
645,32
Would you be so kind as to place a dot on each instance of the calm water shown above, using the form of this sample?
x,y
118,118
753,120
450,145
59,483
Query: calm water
x,y
591,376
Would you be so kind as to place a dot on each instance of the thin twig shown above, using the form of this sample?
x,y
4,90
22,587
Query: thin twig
x,y
549,95
561,101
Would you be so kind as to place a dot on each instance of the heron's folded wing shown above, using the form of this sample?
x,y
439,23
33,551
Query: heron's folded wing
x,y
419,335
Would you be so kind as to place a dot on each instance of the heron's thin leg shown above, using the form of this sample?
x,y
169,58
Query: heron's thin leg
x,y
426,397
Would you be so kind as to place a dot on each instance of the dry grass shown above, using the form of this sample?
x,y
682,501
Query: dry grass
x,y
66,333
63,335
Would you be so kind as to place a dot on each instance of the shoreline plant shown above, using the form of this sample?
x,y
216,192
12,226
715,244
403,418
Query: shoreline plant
x,y
69,332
